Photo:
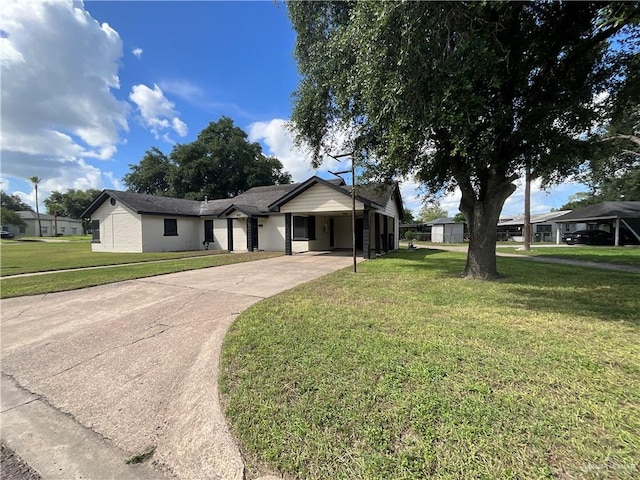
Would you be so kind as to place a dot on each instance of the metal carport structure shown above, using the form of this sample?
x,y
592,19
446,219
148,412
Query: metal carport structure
x,y
615,214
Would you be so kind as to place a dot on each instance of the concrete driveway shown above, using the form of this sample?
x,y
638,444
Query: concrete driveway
x,y
136,362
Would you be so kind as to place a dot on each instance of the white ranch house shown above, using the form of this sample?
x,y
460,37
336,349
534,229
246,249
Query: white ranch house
x,y
314,215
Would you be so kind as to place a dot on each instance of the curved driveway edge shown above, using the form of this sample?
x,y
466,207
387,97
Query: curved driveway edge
x,y
137,361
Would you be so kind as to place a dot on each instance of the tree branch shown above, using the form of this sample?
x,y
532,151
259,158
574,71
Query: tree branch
x,y
619,136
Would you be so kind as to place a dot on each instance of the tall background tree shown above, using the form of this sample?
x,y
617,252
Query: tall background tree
x,y
36,181
430,211
10,217
71,204
220,163
461,94
152,175
10,204
13,202
407,216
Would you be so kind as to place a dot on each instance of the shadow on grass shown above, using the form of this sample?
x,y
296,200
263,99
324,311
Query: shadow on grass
x,y
571,290
543,287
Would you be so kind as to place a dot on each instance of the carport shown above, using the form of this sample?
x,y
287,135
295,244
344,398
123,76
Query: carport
x,y
616,217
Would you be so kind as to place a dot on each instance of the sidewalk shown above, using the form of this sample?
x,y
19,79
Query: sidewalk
x,y
560,261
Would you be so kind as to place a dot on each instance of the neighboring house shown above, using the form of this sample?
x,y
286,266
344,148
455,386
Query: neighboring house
x,y
51,226
314,215
620,218
446,230
544,227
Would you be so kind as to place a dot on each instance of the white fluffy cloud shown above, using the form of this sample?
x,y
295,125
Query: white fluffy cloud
x,y
279,141
157,112
137,52
59,66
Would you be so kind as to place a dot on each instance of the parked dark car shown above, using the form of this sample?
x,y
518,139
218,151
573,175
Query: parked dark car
x,y
5,234
588,237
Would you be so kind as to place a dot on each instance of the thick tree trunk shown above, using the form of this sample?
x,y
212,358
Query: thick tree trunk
x,y
482,217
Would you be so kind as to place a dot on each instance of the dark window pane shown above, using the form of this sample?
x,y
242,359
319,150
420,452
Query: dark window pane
x,y
300,228
170,227
95,230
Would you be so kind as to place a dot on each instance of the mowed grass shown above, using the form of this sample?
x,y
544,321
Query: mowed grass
x,y
62,281
616,255
405,371
39,256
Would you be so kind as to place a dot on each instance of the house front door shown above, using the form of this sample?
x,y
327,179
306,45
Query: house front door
x,y
332,233
208,231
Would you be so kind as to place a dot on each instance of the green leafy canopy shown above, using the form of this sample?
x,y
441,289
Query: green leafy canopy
x,y
220,163
461,94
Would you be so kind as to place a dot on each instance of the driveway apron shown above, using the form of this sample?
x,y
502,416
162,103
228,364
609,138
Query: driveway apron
x,y
137,361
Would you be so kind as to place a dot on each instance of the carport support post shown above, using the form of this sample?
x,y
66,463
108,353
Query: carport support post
x,y
366,235
287,234
617,234
376,228
386,234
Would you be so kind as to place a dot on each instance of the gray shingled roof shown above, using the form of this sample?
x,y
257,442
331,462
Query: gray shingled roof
x,y
442,221
535,218
155,205
28,214
378,193
255,201
603,211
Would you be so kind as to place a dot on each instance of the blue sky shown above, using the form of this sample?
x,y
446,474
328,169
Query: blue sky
x,y
88,87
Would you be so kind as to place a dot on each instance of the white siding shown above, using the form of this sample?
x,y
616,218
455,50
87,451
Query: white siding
x,y
240,234
120,229
391,210
298,246
239,229
322,234
190,234
448,233
342,236
271,233
320,198
219,235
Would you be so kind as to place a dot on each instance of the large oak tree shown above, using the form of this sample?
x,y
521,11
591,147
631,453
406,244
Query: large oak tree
x,y
220,163
460,94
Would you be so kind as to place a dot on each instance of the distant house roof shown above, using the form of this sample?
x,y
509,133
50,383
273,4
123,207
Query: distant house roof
x,y
29,215
603,211
442,221
255,201
535,218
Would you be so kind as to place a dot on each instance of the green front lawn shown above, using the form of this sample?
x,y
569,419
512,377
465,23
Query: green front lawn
x,y
42,256
404,371
616,255
62,281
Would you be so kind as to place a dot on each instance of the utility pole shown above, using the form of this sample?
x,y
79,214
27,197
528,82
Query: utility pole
x,y
353,200
527,206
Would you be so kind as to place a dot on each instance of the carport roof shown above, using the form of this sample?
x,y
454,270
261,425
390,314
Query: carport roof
x,y
535,218
602,211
